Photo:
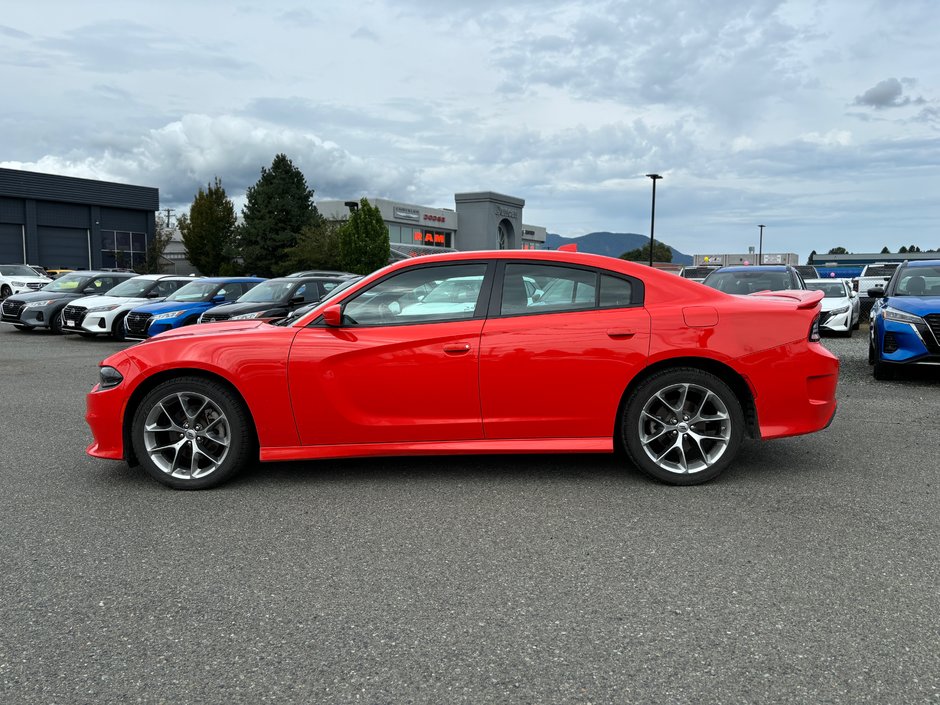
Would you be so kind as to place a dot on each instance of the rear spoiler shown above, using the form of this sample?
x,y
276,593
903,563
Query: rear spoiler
x,y
803,299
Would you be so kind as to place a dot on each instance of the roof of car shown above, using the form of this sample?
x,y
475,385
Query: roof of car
x,y
923,263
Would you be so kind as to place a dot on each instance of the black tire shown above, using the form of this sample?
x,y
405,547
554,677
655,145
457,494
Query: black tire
x,y
55,322
117,328
848,332
858,323
871,353
5,291
882,371
679,440
187,414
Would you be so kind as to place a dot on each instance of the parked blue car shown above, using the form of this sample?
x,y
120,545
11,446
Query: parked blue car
x,y
185,305
905,319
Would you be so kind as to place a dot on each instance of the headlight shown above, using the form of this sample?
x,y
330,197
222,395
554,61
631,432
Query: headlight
x,y
99,309
18,283
243,316
893,314
168,314
109,377
838,311
40,304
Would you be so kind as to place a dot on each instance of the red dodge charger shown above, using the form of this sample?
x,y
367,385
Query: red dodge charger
x,y
480,352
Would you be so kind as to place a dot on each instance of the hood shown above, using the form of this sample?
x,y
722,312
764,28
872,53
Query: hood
x,y
918,305
831,302
165,306
105,300
43,295
235,308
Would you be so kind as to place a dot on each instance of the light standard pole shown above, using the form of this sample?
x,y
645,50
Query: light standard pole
x,y
760,246
654,177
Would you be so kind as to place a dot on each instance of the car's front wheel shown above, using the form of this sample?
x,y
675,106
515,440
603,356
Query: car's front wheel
x,y
192,433
683,426
5,291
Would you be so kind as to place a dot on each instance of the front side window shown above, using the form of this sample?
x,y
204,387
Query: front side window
x,y
421,295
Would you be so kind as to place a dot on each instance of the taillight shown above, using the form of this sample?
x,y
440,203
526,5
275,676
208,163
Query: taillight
x,y
814,331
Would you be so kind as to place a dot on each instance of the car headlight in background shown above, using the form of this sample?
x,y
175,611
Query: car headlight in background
x,y
893,314
168,314
18,283
40,304
839,311
243,316
109,377
99,309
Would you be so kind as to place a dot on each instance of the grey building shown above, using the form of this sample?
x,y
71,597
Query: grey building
x,y
480,221
65,222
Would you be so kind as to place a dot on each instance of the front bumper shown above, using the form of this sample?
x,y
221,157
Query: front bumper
x,y
840,322
104,412
33,317
906,343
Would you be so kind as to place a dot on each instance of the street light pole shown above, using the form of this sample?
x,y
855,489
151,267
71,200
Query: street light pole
x,y
760,246
654,177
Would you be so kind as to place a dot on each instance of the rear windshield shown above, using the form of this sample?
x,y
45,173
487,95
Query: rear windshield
x,y
697,272
880,270
743,283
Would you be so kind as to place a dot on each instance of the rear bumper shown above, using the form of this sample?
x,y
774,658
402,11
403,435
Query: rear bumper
x,y
794,387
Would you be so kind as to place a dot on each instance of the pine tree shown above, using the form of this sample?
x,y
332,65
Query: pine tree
x,y
364,240
208,231
278,207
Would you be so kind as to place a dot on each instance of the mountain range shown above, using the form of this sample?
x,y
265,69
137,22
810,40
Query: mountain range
x,y
610,244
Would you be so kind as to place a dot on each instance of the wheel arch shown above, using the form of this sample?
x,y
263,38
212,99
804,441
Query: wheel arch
x,y
724,372
155,380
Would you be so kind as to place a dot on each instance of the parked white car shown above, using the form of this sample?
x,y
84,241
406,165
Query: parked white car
x,y
104,315
841,308
19,279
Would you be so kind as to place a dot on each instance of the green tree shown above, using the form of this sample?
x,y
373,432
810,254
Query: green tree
x,y
661,253
277,209
913,248
208,231
838,251
318,247
903,250
885,250
154,262
363,240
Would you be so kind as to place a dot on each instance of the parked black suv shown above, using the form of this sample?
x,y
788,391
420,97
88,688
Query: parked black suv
x,y
273,298
43,308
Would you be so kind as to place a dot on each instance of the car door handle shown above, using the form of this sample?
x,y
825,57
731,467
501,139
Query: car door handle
x,y
620,332
457,348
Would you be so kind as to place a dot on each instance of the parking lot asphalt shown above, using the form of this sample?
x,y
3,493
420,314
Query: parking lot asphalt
x,y
807,573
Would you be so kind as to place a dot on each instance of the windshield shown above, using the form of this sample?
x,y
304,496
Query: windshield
x,y
830,290
919,281
133,288
304,310
17,270
195,291
68,283
269,291
743,283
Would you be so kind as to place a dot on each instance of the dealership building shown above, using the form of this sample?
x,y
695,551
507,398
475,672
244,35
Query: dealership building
x,y
62,222
480,221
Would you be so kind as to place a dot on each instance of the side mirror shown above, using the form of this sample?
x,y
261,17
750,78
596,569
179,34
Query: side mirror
x,y
218,298
299,299
876,292
853,294
89,290
333,316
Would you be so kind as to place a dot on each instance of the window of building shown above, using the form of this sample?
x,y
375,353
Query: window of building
x,y
122,249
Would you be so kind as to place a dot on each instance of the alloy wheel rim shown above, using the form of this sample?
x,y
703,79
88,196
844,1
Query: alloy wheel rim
x,y
684,428
186,435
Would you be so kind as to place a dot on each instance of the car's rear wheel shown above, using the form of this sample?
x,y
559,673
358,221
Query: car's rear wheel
x,y
192,433
683,426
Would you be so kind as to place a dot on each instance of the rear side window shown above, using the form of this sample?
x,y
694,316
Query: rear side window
x,y
539,288
615,292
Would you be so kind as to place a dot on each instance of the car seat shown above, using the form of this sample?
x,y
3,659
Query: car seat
x,y
916,286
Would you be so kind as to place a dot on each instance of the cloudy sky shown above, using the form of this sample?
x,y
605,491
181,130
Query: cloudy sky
x,y
820,120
